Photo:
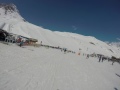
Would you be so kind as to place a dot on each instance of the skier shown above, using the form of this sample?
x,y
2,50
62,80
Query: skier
x,y
87,56
65,50
21,43
100,57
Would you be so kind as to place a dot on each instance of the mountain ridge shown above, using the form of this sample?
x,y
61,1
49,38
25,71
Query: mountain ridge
x,y
10,11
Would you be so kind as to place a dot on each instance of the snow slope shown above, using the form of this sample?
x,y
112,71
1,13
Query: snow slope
x,y
63,39
32,68
12,22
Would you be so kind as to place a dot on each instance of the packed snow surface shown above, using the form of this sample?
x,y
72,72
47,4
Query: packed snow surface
x,y
40,68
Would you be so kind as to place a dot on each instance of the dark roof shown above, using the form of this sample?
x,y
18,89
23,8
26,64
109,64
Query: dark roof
x,y
3,31
31,39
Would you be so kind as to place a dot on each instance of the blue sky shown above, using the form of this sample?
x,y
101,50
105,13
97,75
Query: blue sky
x,y
98,18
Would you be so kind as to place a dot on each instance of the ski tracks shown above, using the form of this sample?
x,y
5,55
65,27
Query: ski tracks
x,y
44,79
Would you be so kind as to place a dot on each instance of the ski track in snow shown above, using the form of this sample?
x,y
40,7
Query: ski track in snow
x,y
51,69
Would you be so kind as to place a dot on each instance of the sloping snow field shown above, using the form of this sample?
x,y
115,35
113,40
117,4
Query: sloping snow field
x,y
40,68
87,44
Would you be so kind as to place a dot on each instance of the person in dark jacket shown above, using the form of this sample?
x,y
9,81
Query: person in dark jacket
x,y
100,58
87,56
21,43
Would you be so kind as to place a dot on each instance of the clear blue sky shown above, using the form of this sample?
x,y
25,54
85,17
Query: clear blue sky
x,y
98,18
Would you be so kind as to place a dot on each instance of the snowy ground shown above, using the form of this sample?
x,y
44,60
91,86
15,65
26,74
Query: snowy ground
x,y
32,68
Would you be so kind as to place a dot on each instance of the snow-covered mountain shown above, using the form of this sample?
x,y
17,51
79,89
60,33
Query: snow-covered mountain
x,y
9,11
12,21
116,44
40,68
